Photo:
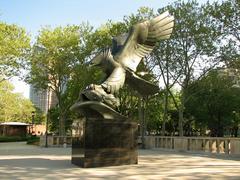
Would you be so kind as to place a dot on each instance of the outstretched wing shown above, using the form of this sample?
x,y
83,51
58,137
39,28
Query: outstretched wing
x,y
142,39
143,87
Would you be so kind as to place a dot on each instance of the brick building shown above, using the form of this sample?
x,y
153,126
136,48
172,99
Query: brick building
x,y
13,129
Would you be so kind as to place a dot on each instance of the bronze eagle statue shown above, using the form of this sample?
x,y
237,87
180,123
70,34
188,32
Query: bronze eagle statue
x,y
120,62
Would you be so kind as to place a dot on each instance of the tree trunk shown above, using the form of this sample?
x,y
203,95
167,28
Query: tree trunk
x,y
165,113
180,115
142,120
61,114
61,125
236,131
180,120
220,131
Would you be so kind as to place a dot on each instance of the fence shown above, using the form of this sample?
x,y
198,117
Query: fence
x,y
204,144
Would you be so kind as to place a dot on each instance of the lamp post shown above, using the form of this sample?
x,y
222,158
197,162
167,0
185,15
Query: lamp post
x,y
33,115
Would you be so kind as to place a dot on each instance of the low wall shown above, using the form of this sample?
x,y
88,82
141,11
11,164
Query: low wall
x,y
204,144
56,141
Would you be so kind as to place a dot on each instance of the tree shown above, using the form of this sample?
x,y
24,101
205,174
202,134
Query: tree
x,y
14,45
226,17
54,58
39,117
214,103
162,61
189,53
13,106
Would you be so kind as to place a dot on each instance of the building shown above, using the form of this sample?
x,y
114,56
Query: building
x,y
13,129
43,99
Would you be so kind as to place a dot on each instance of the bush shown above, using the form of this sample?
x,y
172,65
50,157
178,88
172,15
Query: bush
x,y
12,138
33,140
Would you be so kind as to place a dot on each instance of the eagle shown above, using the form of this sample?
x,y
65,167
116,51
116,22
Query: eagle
x,y
121,61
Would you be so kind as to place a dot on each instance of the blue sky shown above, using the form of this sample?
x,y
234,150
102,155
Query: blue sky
x,y
34,14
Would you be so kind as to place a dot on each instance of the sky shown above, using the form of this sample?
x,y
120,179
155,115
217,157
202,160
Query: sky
x,y
34,14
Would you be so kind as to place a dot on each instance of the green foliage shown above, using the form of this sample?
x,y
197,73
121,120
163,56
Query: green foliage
x,y
30,139
39,117
188,54
102,37
12,138
155,114
54,120
55,54
13,106
226,16
14,45
128,103
33,140
213,101
143,13
56,57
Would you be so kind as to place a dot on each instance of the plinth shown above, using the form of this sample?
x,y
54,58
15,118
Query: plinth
x,y
106,142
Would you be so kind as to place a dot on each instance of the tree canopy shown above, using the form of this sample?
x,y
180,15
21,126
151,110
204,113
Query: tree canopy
x,y
14,46
214,102
13,106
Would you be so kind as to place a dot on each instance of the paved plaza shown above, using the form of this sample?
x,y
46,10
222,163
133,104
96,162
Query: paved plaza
x,y
21,161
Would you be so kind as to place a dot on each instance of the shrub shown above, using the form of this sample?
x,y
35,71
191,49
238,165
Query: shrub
x,y
33,140
12,138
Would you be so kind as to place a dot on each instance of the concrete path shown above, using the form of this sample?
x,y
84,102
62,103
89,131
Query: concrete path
x,y
21,161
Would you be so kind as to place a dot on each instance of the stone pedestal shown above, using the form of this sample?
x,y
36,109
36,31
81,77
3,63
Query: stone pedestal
x,y
106,142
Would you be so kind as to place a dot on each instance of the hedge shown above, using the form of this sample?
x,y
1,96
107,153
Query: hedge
x,y
12,138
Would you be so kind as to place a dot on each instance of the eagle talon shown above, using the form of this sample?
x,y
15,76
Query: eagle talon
x,y
96,93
